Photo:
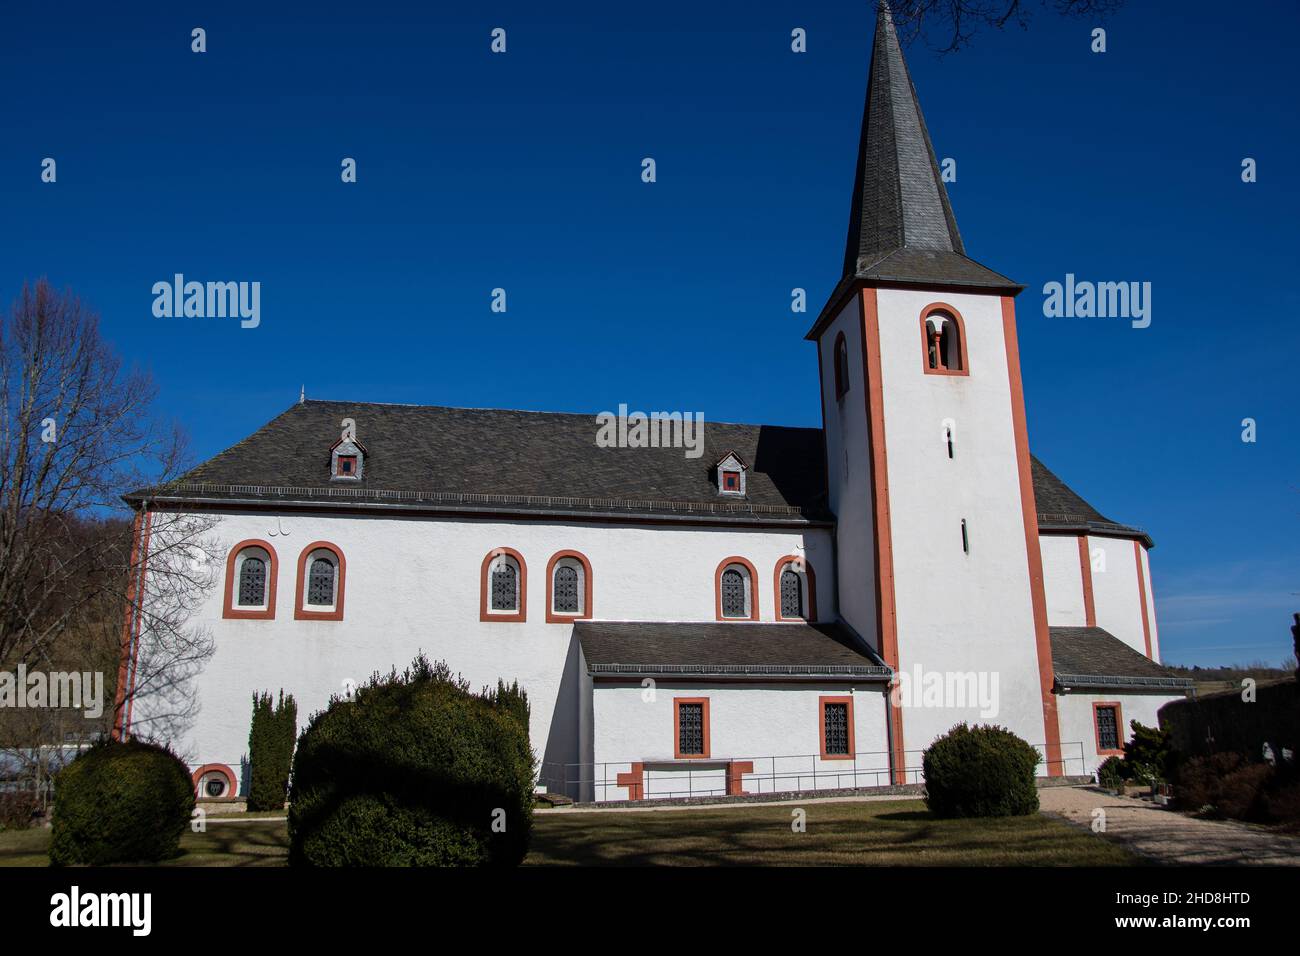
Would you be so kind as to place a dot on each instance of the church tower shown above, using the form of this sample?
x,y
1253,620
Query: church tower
x,y
927,453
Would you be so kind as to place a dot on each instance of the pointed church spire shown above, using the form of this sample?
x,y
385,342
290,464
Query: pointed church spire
x,y
901,225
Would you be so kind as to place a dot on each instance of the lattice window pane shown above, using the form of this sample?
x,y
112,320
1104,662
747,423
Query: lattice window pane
x,y
836,717
565,596
320,584
505,596
733,593
252,582
690,728
1107,729
791,594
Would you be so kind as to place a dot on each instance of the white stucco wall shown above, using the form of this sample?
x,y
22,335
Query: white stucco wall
x,y
1115,590
1151,605
1076,717
775,725
848,462
957,612
1062,580
413,584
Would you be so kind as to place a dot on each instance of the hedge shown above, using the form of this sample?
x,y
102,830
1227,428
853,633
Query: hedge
x,y
121,803
980,772
271,737
415,770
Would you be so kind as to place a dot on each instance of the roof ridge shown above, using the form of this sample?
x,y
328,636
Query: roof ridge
x,y
535,411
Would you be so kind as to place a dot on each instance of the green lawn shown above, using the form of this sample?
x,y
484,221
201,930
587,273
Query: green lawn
x,y
885,833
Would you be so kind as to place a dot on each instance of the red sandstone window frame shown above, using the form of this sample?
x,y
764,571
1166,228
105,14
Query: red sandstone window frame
x,y
948,312
231,611
810,580
1119,727
340,471
232,782
821,726
840,363
753,589
563,617
301,610
704,727
485,612
731,481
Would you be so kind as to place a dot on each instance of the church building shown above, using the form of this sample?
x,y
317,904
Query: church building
x,y
798,609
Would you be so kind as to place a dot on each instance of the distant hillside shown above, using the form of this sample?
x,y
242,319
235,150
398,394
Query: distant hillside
x,y
1211,680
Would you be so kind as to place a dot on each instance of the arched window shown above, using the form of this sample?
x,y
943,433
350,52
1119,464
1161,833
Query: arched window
x,y
568,595
252,581
251,571
791,594
322,576
795,588
503,586
841,366
943,341
320,583
734,603
734,584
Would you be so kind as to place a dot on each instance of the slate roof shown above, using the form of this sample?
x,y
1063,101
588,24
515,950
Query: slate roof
x,y
725,649
1061,509
1091,657
499,460
478,460
901,224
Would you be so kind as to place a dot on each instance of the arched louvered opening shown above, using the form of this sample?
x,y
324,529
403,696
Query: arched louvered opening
x,y
943,341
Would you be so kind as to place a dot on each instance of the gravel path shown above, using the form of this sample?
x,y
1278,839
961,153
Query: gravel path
x,y
1170,837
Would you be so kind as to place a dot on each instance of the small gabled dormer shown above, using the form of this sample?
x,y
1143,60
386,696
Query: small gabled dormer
x,y
347,456
731,476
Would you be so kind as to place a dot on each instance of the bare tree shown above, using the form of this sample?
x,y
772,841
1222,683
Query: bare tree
x,y
77,589
948,25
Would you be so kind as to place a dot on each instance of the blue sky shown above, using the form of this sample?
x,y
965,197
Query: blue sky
x,y
522,171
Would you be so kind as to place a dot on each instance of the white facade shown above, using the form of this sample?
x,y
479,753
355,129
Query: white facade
x,y
413,584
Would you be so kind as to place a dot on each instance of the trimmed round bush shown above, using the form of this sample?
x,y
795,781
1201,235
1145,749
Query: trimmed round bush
x,y
980,772
413,771
1110,774
121,803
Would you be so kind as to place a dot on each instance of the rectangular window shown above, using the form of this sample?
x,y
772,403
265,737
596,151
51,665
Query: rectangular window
x,y
691,717
1108,728
731,481
347,464
837,728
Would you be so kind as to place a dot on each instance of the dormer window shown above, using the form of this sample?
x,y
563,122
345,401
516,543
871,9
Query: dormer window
x,y
731,476
348,456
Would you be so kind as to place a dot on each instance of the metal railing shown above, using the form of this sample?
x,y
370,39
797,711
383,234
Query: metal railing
x,y
794,773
